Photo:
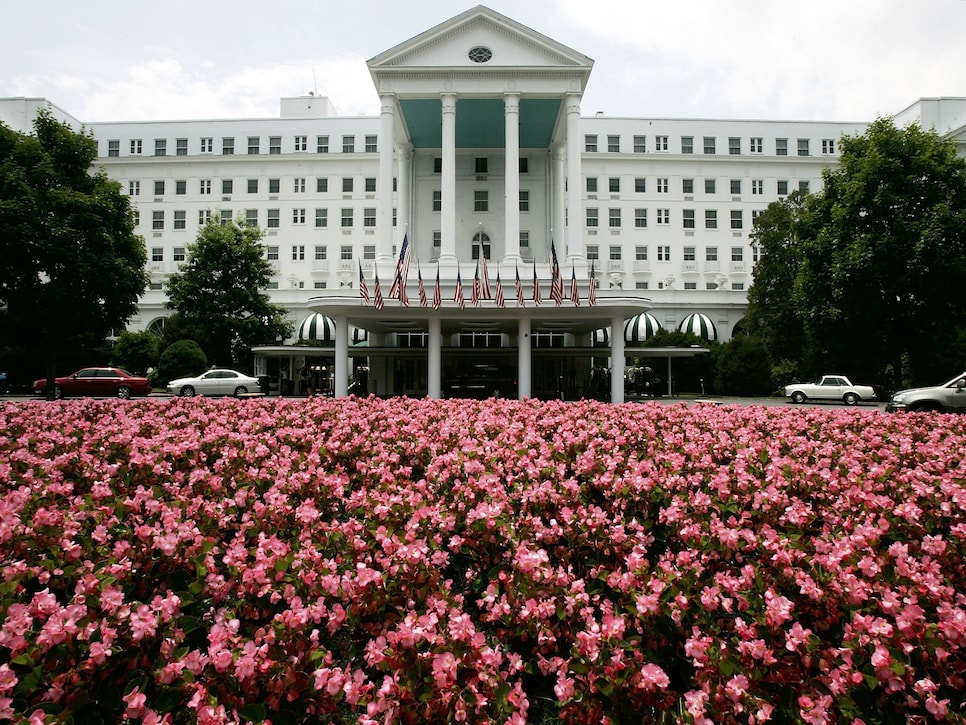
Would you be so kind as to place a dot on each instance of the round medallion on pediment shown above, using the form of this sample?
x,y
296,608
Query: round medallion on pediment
x,y
479,54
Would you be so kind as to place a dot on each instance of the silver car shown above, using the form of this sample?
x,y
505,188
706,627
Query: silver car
x,y
950,397
215,382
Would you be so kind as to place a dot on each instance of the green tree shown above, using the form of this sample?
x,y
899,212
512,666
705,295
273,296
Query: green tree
x,y
219,294
884,260
181,359
743,367
73,268
137,351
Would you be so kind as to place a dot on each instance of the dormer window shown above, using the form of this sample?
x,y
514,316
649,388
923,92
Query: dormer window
x,y
480,54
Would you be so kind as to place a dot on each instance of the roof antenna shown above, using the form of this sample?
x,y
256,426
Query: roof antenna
x,y
315,83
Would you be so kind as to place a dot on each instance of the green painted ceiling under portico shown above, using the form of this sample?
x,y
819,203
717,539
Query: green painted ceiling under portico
x,y
480,122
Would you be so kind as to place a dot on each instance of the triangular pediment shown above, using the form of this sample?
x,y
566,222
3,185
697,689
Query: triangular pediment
x,y
448,46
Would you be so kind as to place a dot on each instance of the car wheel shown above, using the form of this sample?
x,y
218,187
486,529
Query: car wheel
x,y
798,397
850,398
124,392
240,390
58,393
925,408
187,391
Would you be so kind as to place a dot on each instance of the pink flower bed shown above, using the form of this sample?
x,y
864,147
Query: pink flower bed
x,y
420,561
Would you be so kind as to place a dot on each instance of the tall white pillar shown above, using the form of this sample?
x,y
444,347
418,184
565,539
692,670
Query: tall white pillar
x,y
447,249
617,359
558,221
575,211
387,115
524,358
403,196
511,111
341,379
434,363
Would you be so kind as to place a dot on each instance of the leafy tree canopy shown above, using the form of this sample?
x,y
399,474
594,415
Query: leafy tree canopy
x,y
220,297
73,267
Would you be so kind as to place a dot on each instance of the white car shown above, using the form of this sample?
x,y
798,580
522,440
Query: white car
x,y
830,387
215,382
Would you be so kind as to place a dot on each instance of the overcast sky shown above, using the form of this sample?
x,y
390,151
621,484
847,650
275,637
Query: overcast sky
x,y
835,60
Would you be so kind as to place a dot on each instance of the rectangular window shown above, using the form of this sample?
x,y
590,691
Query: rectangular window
x,y
593,252
137,217
274,185
734,145
614,185
613,144
346,218
687,254
273,219
640,253
347,184
227,186
803,185
590,143
437,200
660,143
207,145
783,188
757,187
524,165
591,184
781,147
369,216
737,219
157,220
663,217
690,285
321,218
710,186
371,146
181,147
592,218
227,146
803,147
710,219
709,144
687,186
298,216
322,185
640,218
321,252
640,185
160,147
663,185
271,253
178,254
204,186
135,146
369,251
298,252
298,185
437,165
321,144
345,251
663,253
251,217
157,254
254,145
481,200
640,144
348,144
253,186
370,184
159,188
737,254
524,201
828,146
756,145
616,252
614,218
687,144
134,188
114,147
687,218
736,187
204,216
225,216
711,254
274,144
482,164
301,143
180,187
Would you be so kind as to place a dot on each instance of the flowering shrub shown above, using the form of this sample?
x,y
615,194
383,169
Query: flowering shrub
x,y
409,561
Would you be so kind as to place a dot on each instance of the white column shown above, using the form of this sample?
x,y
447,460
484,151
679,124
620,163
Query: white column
x,y
575,211
434,363
403,196
341,379
558,220
511,111
617,359
387,115
447,249
523,358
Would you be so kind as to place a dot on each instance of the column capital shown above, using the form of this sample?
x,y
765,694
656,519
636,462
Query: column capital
x,y
573,102
449,101
511,101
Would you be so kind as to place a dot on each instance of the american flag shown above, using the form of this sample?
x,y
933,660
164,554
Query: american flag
x,y
592,287
520,301
401,290
437,291
537,298
484,277
378,303
574,292
458,294
500,301
363,287
402,269
475,293
423,300
556,281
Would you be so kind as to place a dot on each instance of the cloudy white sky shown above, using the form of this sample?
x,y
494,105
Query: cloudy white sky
x,y
836,60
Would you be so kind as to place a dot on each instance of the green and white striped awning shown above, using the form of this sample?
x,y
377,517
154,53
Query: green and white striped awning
x,y
640,328
700,325
318,328
601,337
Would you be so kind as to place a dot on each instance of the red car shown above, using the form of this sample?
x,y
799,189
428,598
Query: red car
x,y
96,382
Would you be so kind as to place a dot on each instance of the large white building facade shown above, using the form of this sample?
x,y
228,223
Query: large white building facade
x,y
480,152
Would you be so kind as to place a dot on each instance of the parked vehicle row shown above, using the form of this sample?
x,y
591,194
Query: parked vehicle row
x,y
110,382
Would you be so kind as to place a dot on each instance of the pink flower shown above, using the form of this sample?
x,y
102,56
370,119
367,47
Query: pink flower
x,y
134,703
654,678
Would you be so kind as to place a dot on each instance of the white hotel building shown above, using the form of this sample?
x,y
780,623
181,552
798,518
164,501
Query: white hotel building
x,y
479,148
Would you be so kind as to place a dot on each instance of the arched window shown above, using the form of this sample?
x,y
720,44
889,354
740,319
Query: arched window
x,y
481,238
